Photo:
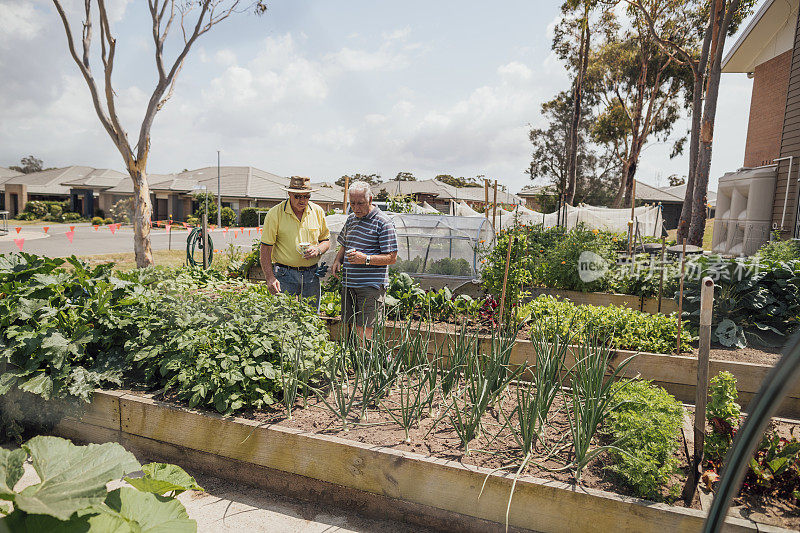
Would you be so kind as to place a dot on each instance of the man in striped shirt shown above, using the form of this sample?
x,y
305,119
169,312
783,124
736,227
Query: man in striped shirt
x,y
368,246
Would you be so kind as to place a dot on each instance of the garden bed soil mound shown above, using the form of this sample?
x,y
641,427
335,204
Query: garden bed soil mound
x,y
496,448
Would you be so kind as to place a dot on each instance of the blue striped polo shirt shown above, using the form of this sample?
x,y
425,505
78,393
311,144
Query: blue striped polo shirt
x,y
373,234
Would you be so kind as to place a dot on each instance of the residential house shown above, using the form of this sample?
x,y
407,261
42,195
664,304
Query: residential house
x,y
443,196
762,196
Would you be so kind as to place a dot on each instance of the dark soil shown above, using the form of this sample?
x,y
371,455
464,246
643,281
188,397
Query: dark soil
x,y
496,448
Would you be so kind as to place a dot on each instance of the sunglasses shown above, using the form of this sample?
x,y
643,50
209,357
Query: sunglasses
x,y
301,196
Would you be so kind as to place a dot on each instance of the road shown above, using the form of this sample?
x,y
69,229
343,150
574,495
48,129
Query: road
x,y
88,241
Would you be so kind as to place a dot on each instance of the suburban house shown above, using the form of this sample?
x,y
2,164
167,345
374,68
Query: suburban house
x,y
762,196
443,196
91,190
5,175
670,199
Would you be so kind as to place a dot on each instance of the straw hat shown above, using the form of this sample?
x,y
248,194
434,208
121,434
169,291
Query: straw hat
x,y
299,184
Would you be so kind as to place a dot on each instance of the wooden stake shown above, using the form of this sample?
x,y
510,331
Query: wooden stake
x,y
661,268
680,297
346,187
494,208
486,195
701,392
505,279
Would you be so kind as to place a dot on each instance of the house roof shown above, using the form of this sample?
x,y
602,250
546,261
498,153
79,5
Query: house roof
x,y
97,178
6,174
443,191
768,34
50,182
532,190
680,191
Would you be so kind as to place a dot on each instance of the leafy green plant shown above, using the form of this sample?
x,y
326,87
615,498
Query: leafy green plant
x,y
645,428
723,413
60,332
751,298
519,269
248,217
625,328
71,494
559,267
778,250
774,469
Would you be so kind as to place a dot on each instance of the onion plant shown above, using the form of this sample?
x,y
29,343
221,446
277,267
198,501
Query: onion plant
x,y
461,347
592,396
411,387
343,387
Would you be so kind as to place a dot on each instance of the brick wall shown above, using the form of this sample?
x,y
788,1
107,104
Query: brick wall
x,y
767,108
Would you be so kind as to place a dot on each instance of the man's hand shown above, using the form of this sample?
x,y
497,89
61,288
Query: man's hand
x,y
274,285
335,268
356,257
311,252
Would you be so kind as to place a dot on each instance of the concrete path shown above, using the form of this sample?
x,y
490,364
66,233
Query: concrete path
x,y
229,507
88,241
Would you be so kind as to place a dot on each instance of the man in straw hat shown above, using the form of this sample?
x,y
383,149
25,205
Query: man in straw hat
x,y
294,237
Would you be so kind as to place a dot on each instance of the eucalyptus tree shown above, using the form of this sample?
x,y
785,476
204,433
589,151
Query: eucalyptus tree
x,y
694,33
639,88
194,18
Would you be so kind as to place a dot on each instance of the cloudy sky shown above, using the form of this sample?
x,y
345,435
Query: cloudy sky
x,y
318,88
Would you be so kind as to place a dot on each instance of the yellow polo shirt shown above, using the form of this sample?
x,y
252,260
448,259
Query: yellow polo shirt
x,y
284,232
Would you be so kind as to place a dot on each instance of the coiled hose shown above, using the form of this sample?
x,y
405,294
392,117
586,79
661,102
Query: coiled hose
x,y
195,242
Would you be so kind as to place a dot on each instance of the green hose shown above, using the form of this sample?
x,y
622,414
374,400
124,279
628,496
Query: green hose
x,y
195,242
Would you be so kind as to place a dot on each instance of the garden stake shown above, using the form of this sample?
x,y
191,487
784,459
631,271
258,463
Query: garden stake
x,y
701,392
494,208
505,281
346,187
661,269
486,198
205,237
680,297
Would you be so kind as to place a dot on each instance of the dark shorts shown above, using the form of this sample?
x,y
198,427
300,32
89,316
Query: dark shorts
x,y
362,306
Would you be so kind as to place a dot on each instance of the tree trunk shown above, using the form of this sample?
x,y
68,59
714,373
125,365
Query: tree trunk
x,y
694,141
577,97
698,224
142,211
699,72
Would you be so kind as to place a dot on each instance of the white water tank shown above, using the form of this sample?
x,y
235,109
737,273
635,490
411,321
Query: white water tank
x,y
744,210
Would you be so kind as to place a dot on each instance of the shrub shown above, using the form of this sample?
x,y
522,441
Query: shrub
x,y
37,208
108,221
25,216
645,428
122,211
192,221
248,217
559,268
97,221
519,269
56,211
227,217
723,414
70,217
777,250
99,213
626,328
449,266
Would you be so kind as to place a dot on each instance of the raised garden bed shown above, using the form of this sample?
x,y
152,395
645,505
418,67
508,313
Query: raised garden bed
x,y
676,373
424,490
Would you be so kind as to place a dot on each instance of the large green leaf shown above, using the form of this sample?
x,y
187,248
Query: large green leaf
x,y
128,510
72,477
160,478
11,471
20,522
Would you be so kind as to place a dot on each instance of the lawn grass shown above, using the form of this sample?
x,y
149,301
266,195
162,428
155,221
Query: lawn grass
x,y
125,261
707,235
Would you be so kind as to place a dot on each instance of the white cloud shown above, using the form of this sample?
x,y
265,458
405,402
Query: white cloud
x,y
20,22
390,55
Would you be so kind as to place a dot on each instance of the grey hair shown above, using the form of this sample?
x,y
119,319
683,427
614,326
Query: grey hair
x,y
361,187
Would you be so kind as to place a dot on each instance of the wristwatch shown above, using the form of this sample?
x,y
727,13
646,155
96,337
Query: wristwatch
x,y
367,260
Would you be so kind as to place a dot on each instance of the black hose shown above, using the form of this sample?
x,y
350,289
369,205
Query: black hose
x,y
774,388
195,242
